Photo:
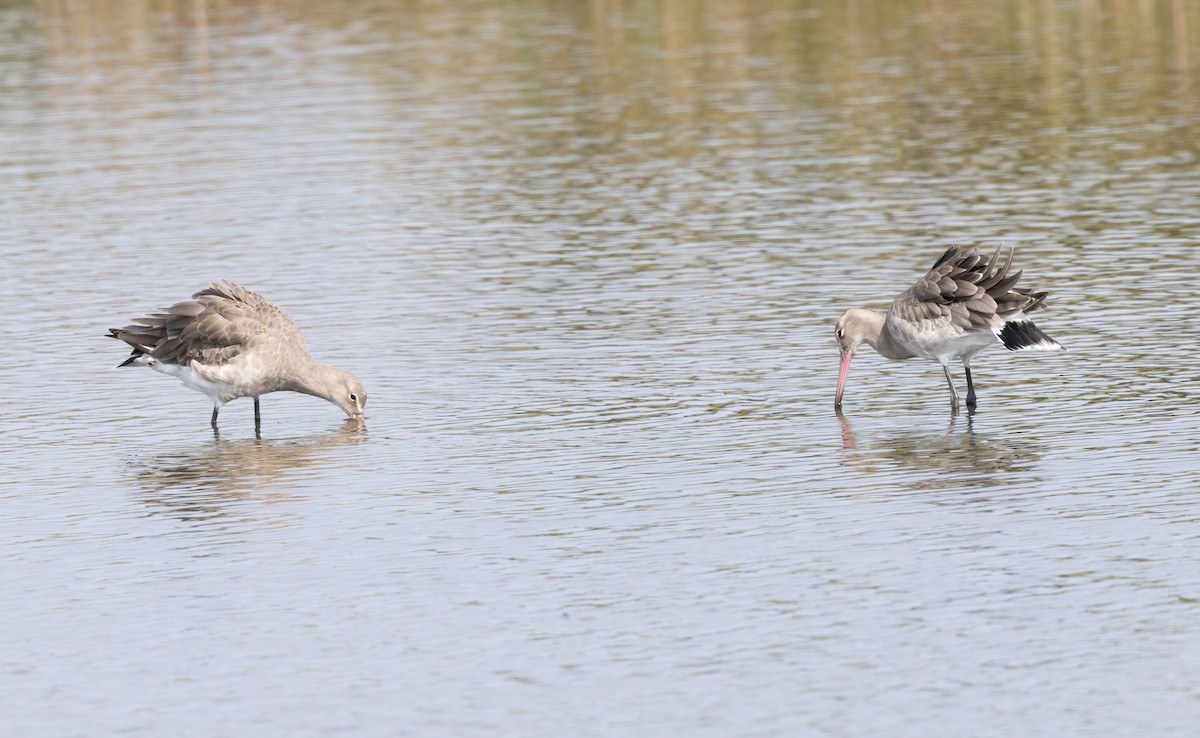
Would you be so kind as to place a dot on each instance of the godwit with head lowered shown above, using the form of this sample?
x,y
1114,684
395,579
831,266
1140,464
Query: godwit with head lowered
x,y
229,342
963,305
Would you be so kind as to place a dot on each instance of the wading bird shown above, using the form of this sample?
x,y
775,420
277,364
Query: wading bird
x,y
963,305
229,342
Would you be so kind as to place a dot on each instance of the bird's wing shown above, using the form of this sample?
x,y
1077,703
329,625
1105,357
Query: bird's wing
x,y
970,290
213,328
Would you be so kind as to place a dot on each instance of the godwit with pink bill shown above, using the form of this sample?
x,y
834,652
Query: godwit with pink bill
x,y
963,305
229,342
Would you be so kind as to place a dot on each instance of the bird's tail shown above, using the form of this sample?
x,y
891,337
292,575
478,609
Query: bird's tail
x,y
1023,335
131,336
133,359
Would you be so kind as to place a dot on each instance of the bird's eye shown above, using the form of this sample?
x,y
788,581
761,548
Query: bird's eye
x,y
353,397
840,333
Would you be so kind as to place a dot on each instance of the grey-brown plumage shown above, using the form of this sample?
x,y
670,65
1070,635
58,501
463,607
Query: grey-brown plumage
x,y
229,342
968,290
965,303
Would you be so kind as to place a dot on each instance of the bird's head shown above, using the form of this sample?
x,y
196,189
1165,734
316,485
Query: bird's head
x,y
351,396
852,328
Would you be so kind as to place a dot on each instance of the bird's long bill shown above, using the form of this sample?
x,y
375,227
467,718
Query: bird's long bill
x,y
843,372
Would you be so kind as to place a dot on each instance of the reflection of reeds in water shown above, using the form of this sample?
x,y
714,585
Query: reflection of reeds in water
x,y
203,483
859,51
955,458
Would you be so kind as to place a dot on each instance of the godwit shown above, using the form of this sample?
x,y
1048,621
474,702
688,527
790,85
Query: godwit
x,y
229,342
962,306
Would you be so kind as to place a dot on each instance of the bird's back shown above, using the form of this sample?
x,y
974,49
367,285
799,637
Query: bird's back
x,y
217,326
961,305
968,292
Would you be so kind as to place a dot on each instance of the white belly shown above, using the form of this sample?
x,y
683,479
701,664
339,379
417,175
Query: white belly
x,y
943,348
219,392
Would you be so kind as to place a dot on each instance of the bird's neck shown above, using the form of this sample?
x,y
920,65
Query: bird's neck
x,y
879,338
316,379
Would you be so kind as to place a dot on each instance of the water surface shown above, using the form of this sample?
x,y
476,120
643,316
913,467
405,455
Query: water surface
x,y
587,259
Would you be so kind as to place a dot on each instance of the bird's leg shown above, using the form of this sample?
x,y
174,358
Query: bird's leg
x,y
257,415
950,384
970,386
214,417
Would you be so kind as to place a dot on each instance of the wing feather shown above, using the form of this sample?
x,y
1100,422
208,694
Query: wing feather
x,y
217,325
969,289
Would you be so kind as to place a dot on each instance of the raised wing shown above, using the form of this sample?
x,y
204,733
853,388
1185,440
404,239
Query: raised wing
x,y
970,290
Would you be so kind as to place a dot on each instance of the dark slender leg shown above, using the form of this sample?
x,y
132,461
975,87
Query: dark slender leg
x,y
257,415
214,417
950,384
970,388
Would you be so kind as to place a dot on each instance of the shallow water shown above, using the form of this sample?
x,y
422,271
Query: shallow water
x,y
587,259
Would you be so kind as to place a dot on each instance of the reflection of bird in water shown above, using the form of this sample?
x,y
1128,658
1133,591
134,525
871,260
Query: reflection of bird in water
x,y
202,483
956,458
